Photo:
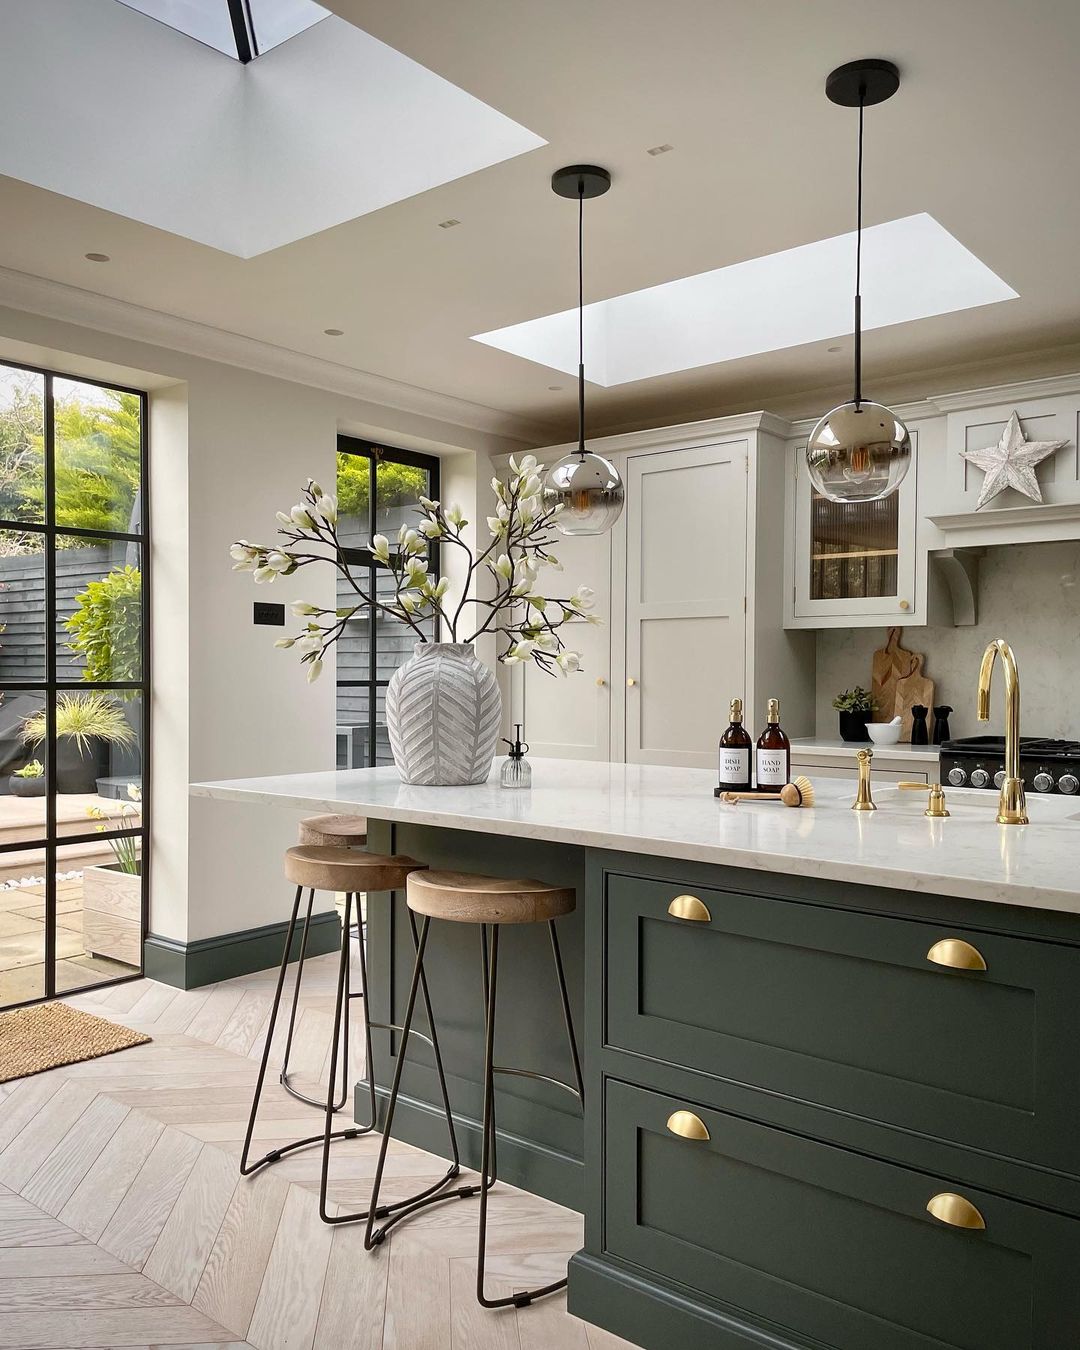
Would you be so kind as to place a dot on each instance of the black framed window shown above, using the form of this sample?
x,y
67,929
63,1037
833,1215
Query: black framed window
x,y
378,489
74,683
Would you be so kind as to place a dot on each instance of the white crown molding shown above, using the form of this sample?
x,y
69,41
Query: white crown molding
x,y
683,435
1016,392
71,304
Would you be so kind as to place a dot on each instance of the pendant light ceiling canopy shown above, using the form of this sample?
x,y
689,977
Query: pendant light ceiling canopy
x,y
860,451
586,486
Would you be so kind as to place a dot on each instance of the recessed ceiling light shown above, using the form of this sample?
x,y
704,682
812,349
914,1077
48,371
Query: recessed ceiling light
x,y
834,349
334,332
97,257
659,149
448,224
913,267
554,388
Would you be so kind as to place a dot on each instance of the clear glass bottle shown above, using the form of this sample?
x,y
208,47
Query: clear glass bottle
x,y
516,771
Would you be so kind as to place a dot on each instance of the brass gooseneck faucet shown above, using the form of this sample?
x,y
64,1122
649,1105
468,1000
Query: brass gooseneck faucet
x,y
1012,809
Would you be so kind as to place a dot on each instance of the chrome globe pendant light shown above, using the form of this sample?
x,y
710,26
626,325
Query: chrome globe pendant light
x,y
586,486
861,450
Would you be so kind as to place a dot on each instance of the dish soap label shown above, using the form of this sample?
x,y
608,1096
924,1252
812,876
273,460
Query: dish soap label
x,y
735,747
773,751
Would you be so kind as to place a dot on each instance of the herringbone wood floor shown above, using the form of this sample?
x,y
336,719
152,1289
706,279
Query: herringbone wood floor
x,y
124,1222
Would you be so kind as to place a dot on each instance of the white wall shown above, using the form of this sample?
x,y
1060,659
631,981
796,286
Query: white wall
x,y
1029,595
228,448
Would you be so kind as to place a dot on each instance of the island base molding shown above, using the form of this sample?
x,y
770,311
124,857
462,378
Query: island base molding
x,y
190,965
628,1304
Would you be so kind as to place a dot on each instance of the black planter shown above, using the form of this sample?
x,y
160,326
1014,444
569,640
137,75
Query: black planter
x,y
78,770
853,726
27,787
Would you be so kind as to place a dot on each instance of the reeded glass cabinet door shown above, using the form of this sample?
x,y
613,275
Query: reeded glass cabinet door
x,y
854,559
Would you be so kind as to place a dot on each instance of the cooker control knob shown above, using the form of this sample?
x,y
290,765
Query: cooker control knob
x,y
957,777
980,778
999,778
1043,782
1068,782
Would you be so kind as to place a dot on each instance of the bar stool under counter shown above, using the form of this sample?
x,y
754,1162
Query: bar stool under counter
x,y
487,902
334,869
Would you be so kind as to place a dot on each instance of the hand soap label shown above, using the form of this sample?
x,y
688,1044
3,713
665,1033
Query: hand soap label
x,y
735,764
771,768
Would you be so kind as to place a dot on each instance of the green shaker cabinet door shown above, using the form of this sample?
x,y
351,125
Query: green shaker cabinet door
x,y
830,1244
849,1010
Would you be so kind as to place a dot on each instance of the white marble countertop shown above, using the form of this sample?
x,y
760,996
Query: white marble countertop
x,y
824,747
672,813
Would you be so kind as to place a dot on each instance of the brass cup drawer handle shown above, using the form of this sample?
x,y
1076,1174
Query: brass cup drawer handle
x,y
954,1210
957,955
689,907
686,1125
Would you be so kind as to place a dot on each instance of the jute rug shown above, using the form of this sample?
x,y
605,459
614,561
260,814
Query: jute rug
x,y
51,1034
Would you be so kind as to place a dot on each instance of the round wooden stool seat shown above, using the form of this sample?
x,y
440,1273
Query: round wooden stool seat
x,y
324,868
335,831
466,898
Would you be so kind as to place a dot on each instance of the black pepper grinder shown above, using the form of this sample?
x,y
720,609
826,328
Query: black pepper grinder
x,y
941,723
919,735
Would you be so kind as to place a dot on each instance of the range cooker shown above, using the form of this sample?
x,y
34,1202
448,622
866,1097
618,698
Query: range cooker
x,y
979,762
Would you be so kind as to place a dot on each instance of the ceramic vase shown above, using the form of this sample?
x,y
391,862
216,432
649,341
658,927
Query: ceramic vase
x,y
443,711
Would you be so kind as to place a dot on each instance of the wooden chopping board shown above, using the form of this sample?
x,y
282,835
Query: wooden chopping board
x,y
897,683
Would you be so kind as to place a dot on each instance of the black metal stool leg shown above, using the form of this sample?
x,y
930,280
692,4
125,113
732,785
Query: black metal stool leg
x,y
567,1017
283,1077
432,1194
247,1168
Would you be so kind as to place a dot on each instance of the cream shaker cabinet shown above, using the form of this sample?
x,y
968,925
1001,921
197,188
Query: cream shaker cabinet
x,y
689,583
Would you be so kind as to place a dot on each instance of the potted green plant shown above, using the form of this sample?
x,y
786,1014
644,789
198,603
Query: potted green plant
x,y
855,707
112,893
29,781
86,725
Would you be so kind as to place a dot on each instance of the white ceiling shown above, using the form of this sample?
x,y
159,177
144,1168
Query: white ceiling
x,y
980,137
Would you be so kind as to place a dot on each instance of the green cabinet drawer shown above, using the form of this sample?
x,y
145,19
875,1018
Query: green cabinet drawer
x,y
847,1010
829,1244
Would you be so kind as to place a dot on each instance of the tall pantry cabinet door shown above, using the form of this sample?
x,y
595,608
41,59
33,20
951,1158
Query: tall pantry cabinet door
x,y
685,601
571,718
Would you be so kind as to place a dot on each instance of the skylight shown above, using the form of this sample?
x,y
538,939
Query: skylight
x,y
912,268
242,29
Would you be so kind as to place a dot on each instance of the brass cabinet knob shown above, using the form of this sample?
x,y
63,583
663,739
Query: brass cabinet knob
x,y
951,1209
905,604
956,954
688,1126
600,681
631,682
689,907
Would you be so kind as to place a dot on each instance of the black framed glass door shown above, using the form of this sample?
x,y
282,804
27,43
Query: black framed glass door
x,y
379,489
74,683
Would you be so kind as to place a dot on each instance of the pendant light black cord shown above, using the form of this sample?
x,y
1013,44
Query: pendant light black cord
x,y
858,261
581,315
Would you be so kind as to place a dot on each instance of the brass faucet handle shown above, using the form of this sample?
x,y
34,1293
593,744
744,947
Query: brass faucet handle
x,y
935,807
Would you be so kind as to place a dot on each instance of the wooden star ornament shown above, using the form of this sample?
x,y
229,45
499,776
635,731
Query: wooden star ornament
x,y
1011,463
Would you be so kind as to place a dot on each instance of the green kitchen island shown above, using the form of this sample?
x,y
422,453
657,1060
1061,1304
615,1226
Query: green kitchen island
x,y
832,1078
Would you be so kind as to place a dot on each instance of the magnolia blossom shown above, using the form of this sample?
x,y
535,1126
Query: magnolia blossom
x,y
526,618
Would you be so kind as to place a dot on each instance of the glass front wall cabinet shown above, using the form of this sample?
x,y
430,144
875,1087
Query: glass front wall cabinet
x,y
74,683
853,562
379,490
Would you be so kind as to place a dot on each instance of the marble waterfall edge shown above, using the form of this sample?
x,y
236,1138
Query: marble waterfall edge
x,y
443,711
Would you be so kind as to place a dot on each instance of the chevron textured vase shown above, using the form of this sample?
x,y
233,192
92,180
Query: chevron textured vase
x,y
443,711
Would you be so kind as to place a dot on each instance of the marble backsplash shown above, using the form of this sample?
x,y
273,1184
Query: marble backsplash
x,y
1029,595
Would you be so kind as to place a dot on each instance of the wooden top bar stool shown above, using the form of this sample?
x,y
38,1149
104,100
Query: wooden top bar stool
x,y
336,831
487,902
324,867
